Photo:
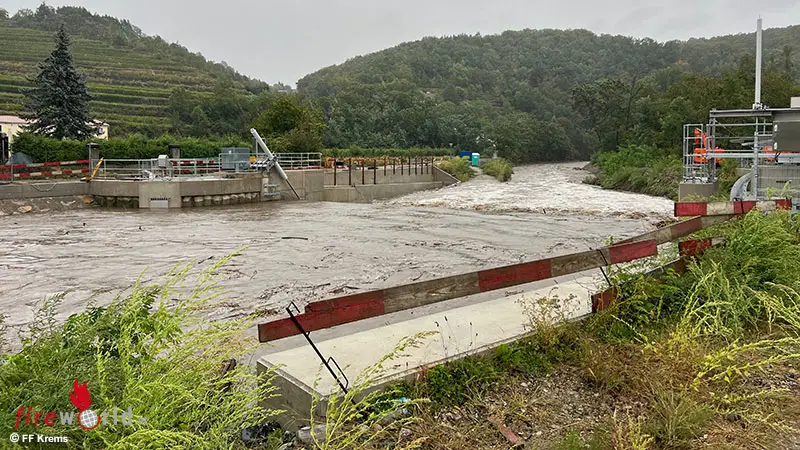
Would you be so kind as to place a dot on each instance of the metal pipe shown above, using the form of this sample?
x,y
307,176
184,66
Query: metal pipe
x,y
757,104
270,156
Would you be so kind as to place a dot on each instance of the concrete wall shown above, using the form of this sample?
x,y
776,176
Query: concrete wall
x,y
42,190
698,190
370,192
309,184
240,188
233,189
444,177
776,177
159,191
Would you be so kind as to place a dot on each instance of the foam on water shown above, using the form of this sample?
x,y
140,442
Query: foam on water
x,y
544,189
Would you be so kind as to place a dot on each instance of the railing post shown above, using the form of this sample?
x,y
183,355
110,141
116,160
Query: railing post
x,y
374,171
350,172
385,160
334,171
401,165
362,171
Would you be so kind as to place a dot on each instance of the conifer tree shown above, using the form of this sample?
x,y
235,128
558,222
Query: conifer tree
x,y
58,105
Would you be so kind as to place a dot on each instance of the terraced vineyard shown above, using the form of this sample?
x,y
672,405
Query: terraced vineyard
x,y
130,86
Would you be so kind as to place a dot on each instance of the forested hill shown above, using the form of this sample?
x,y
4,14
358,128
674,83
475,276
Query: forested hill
x,y
542,94
131,76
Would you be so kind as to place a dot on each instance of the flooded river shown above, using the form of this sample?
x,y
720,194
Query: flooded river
x,y
303,251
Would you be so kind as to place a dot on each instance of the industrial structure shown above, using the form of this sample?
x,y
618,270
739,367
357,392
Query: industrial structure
x,y
764,141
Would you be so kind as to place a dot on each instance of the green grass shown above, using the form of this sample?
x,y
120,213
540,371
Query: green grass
x,y
498,168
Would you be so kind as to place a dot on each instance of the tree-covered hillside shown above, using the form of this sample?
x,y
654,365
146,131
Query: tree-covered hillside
x,y
131,76
541,94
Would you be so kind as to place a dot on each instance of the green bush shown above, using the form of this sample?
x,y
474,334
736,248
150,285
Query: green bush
x,y
642,169
149,351
460,168
43,149
498,168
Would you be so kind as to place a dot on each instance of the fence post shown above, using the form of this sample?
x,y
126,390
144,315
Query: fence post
x,y
374,171
385,160
334,171
350,172
362,171
401,165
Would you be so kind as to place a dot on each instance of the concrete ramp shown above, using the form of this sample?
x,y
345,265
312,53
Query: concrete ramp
x,y
463,326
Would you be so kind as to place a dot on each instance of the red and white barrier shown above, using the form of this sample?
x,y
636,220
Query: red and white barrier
x,y
44,174
690,209
351,308
45,164
696,247
192,162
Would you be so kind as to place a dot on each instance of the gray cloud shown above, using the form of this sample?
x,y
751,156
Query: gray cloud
x,y
282,41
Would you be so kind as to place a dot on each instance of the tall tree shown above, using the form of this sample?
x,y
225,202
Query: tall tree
x,y
58,104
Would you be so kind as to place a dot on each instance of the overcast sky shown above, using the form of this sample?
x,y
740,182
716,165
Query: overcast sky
x,y
282,41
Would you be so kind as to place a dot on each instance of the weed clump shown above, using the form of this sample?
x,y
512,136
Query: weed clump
x,y
148,352
460,168
498,168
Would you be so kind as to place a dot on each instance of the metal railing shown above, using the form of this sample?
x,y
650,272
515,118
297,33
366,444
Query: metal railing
x,y
352,171
156,168
293,161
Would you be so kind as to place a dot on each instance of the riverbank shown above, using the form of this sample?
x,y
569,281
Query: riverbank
x,y
639,169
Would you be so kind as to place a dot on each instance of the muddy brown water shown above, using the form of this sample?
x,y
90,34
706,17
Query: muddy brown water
x,y
304,251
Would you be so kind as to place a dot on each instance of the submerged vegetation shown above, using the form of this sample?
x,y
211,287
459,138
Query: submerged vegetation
x,y
498,168
460,168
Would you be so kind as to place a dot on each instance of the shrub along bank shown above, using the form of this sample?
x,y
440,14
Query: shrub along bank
x,y
460,168
498,168
642,169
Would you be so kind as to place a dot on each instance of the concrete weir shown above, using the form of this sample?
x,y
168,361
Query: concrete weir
x,y
463,327
224,189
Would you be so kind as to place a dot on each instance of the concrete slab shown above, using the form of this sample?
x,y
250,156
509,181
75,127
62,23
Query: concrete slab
x,y
461,331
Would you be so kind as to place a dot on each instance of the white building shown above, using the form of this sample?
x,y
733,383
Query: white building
x,y
12,126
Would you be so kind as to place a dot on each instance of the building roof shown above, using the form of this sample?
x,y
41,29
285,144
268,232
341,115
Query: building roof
x,y
13,119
